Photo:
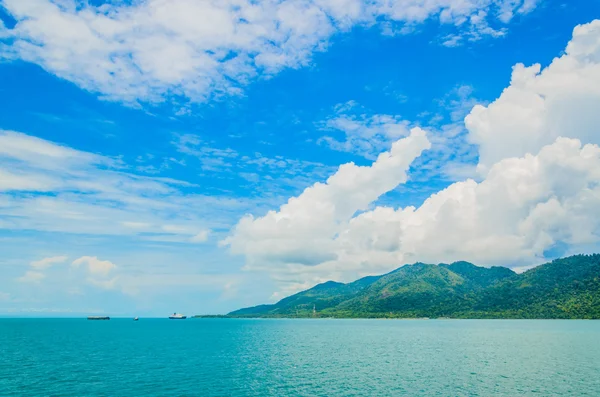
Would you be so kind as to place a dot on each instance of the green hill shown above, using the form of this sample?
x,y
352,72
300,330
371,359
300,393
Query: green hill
x,y
325,295
564,288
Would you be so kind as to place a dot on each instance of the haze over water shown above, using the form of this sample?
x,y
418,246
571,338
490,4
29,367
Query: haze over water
x,y
215,357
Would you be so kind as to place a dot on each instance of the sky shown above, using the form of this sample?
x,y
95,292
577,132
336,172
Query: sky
x,y
200,156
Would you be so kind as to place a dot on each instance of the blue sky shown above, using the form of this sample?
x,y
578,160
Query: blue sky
x,y
136,144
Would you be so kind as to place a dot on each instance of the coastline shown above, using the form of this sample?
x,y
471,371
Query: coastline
x,y
384,318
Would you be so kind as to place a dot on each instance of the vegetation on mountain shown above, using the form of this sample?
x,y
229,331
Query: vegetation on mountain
x,y
563,288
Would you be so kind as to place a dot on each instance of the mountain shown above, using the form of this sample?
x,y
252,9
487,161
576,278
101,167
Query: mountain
x,y
325,295
563,288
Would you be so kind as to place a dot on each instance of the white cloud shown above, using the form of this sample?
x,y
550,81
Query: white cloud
x,y
303,229
259,176
524,207
200,237
32,277
178,229
541,105
48,262
94,265
25,182
536,200
94,194
202,48
365,135
39,153
212,159
36,277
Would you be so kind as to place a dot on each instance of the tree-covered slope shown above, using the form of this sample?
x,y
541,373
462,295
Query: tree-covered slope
x,y
412,290
325,295
564,288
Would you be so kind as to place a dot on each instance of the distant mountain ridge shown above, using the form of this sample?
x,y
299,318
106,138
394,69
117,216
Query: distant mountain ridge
x,y
564,288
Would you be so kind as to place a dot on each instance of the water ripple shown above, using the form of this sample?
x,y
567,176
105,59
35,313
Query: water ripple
x,y
298,358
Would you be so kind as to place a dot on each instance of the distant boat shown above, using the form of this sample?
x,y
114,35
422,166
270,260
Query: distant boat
x,y
98,318
177,316
135,319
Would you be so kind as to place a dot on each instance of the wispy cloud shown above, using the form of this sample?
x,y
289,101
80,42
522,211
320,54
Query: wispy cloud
x,y
56,188
32,277
36,276
478,26
452,156
354,129
364,134
211,158
264,176
48,262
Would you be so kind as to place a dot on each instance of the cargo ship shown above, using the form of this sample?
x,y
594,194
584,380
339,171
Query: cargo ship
x,y
98,318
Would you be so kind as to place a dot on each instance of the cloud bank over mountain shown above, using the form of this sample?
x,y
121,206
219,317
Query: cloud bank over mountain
x,y
540,170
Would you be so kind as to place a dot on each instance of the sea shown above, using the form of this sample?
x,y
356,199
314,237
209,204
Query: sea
x,y
299,357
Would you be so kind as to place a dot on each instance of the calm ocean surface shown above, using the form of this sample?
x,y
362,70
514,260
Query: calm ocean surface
x,y
212,357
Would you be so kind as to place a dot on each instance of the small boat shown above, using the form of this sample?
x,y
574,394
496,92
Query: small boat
x,y
98,318
135,319
177,316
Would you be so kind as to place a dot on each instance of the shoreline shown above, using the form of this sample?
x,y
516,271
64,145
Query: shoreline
x,y
216,317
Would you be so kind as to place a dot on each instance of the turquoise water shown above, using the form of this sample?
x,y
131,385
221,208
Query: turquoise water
x,y
212,357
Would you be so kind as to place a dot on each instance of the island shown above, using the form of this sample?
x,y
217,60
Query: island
x,y
567,288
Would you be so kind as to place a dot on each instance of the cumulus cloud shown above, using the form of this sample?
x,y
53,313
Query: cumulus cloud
x,y
536,200
94,265
303,229
524,207
48,262
98,271
541,105
144,51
